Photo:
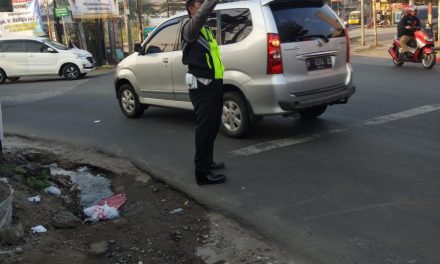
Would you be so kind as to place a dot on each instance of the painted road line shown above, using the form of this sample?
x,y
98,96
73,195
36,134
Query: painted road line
x,y
405,114
280,143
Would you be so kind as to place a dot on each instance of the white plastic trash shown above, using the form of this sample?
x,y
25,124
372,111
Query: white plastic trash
x,y
98,212
38,229
35,199
52,190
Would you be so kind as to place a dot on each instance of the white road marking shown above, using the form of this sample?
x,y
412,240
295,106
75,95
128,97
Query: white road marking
x,y
405,114
280,143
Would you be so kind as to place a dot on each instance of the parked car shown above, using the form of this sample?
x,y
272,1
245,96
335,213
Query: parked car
x,y
422,14
31,56
280,58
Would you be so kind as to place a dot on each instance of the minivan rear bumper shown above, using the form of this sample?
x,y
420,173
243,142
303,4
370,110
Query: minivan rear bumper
x,y
330,95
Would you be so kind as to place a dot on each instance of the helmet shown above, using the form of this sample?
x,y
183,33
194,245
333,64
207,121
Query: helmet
x,y
410,8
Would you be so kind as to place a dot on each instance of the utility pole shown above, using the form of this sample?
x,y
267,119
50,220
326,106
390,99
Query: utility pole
x,y
438,25
373,3
127,25
49,27
168,8
362,24
139,13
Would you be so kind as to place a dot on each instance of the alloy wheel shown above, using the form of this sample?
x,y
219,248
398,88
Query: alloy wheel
x,y
128,101
71,72
231,116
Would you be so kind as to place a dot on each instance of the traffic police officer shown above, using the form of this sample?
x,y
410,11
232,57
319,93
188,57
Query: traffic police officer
x,y
205,83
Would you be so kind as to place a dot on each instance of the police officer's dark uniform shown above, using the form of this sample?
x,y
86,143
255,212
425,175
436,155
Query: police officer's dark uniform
x,y
205,83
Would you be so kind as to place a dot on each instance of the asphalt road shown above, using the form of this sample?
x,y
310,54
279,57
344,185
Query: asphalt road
x,y
358,185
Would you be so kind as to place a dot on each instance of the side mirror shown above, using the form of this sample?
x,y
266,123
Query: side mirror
x,y
137,47
51,50
153,49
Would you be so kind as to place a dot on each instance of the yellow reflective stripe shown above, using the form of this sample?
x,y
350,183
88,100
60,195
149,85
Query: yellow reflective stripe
x,y
215,54
207,60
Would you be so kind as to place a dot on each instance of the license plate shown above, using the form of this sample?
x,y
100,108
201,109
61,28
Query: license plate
x,y
318,63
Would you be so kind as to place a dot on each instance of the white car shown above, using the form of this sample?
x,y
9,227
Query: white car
x,y
31,56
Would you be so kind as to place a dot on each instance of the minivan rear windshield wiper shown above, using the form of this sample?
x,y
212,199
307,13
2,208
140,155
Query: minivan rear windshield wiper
x,y
313,36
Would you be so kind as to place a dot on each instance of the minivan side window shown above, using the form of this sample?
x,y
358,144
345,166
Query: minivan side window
x,y
12,46
34,46
298,22
236,25
166,36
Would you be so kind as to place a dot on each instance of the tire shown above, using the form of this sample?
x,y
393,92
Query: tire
x,y
397,63
2,76
129,102
71,72
235,121
13,79
428,60
312,112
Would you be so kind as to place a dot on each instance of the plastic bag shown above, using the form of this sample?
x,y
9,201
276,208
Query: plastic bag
x,y
116,201
38,229
101,212
6,206
52,190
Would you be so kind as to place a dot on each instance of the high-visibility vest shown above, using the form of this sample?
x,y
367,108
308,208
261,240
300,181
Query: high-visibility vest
x,y
203,56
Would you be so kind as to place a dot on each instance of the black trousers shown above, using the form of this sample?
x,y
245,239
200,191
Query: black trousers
x,y
208,102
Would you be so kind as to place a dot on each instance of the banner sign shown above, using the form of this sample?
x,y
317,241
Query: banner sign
x,y
6,6
94,8
25,19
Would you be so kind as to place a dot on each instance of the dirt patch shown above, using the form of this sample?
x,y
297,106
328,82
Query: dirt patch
x,y
145,232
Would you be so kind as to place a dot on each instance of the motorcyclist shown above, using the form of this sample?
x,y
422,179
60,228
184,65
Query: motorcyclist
x,y
405,30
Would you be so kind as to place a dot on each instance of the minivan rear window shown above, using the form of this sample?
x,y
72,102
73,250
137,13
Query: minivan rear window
x,y
305,20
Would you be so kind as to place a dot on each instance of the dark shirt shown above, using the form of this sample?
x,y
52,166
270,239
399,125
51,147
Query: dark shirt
x,y
411,21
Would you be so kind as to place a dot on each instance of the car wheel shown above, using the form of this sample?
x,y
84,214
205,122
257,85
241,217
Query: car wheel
x,y
129,102
397,63
235,115
13,79
2,76
312,112
71,72
428,60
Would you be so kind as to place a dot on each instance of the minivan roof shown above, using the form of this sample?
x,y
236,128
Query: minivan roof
x,y
24,38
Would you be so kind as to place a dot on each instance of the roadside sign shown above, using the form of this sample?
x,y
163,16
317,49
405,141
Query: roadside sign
x,y
61,12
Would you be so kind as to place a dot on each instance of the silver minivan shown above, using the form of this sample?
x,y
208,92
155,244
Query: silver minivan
x,y
280,57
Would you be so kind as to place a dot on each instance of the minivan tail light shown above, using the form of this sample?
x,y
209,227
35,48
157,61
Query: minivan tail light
x,y
347,39
274,61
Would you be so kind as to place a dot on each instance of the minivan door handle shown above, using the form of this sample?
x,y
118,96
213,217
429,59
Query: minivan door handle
x,y
165,60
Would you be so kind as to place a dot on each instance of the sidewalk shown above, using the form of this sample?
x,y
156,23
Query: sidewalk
x,y
385,37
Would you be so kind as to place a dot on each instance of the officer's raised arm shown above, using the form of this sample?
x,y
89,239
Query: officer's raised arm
x,y
191,29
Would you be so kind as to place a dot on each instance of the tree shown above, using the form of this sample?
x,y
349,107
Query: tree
x,y
171,7
147,8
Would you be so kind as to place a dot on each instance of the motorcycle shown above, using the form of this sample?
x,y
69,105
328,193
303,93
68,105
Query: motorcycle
x,y
421,48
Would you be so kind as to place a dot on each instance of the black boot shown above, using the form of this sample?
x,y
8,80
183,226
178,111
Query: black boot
x,y
209,178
